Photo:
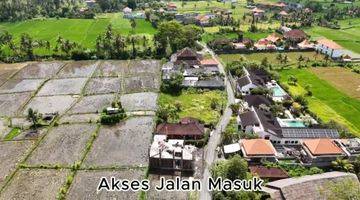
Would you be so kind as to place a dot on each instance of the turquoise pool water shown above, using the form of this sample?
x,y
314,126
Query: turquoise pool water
x,y
295,124
278,91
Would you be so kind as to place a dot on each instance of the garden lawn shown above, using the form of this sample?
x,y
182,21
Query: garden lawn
x,y
327,102
196,105
347,36
83,31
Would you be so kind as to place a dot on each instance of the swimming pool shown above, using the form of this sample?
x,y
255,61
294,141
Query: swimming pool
x,y
294,123
278,91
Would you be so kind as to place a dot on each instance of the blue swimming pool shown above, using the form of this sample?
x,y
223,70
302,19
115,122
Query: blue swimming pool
x,y
278,91
294,124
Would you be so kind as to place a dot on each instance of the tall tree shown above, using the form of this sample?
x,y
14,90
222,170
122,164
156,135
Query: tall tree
x,y
27,46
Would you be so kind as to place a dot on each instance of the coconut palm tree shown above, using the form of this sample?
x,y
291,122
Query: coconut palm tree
x,y
342,165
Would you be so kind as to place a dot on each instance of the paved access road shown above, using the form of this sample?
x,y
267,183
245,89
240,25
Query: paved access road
x,y
214,141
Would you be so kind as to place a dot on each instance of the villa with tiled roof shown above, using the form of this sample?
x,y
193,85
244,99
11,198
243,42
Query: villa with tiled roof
x,y
320,152
257,149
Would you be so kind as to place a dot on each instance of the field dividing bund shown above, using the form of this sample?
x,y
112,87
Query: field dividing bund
x,y
328,102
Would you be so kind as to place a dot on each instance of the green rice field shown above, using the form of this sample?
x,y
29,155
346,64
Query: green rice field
x,y
328,102
348,36
83,31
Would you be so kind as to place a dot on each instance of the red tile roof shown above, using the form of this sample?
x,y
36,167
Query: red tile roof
x,y
323,146
258,147
186,52
329,43
209,62
283,13
295,34
257,10
186,127
268,172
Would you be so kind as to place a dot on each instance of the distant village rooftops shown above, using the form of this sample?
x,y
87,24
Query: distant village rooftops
x,y
283,13
322,146
210,61
329,43
257,10
295,34
127,10
274,37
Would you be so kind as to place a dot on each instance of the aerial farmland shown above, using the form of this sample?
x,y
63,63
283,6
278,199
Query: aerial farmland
x,y
73,145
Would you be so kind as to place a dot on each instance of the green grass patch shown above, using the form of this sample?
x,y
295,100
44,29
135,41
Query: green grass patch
x,y
327,102
83,31
272,57
197,104
12,134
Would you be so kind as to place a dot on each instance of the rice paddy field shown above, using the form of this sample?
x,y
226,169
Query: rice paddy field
x,y
36,164
330,100
347,36
83,31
